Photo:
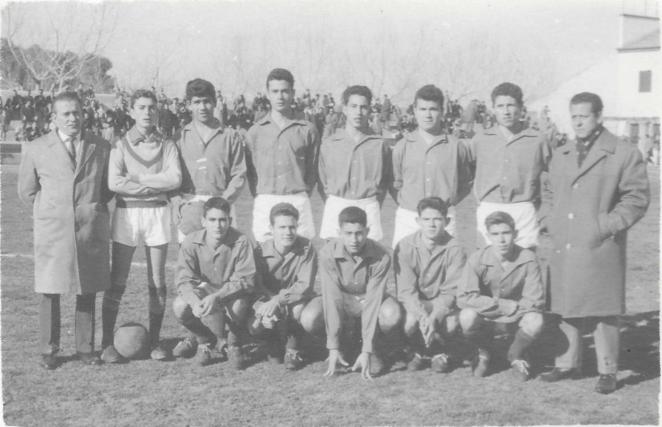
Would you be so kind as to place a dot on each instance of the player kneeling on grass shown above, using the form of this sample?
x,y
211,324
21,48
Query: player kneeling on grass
x,y
428,267
502,285
215,278
353,272
286,266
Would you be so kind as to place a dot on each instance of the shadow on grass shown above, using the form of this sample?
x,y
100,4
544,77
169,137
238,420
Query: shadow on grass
x,y
640,347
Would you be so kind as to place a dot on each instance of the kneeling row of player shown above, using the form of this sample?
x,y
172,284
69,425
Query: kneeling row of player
x,y
219,275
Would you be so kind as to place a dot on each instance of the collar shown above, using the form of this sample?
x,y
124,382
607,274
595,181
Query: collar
x,y
200,237
269,248
448,242
267,119
604,140
589,140
521,256
370,250
341,134
494,130
415,136
65,138
135,137
189,126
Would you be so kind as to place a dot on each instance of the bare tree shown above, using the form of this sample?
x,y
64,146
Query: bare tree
x,y
57,52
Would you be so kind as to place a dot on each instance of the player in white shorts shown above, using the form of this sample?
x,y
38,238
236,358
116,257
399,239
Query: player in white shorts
x,y
281,159
143,167
354,167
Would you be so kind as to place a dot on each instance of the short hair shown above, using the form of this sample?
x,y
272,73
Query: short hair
x,y
430,93
499,217
589,98
201,88
216,203
352,215
363,91
283,209
66,96
142,93
508,89
280,74
432,203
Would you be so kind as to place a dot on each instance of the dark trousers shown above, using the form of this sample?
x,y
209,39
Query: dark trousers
x,y
49,323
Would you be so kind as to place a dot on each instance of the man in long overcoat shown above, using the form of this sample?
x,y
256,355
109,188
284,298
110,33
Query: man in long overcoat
x,y
63,175
599,190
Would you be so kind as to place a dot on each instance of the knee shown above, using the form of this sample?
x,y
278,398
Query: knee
x,y
532,323
390,315
451,323
239,309
468,319
312,317
180,308
411,324
296,310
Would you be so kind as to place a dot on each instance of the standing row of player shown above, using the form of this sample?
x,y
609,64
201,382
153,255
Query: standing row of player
x,y
283,160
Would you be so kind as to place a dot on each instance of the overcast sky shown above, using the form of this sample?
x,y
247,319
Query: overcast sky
x,y
186,39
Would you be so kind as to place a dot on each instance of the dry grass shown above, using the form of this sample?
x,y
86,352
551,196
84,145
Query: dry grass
x,y
181,393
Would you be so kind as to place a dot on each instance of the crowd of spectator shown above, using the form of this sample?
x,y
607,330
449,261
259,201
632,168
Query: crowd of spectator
x,y
30,114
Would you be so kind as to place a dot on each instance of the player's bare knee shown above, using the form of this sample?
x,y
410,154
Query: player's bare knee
x,y
411,324
295,310
390,315
532,323
451,323
239,309
468,319
312,316
180,307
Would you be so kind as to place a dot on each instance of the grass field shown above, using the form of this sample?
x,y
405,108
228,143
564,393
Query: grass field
x,y
182,393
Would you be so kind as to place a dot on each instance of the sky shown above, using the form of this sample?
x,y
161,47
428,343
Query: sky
x,y
391,45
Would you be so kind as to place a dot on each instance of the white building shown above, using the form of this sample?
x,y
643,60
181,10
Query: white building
x,y
628,81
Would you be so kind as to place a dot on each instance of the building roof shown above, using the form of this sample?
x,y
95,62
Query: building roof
x,y
646,42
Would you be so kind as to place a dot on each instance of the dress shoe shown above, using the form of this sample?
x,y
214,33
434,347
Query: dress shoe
x,y
90,358
48,361
417,363
606,384
558,374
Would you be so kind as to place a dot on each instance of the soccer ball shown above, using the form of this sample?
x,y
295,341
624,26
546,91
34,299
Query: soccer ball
x,y
132,341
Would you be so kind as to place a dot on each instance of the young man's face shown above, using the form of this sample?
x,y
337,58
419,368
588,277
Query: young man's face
x,y
284,230
357,111
217,223
202,108
144,113
502,237
507,111
432,223
428,115
280,94
67,116
584,120
353,236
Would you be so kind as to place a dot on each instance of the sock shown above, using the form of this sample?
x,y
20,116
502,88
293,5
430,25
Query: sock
x,y
521,342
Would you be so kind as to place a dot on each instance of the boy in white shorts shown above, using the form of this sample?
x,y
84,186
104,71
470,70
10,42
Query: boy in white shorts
x,y
143,167
354,166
